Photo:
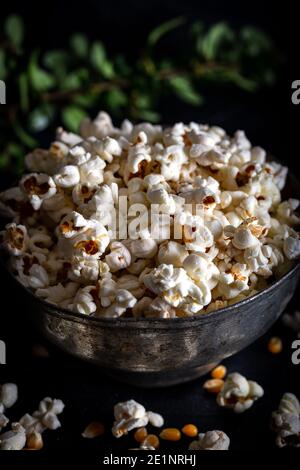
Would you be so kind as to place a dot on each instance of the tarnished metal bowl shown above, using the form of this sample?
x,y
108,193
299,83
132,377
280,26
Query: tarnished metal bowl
x,y
161,352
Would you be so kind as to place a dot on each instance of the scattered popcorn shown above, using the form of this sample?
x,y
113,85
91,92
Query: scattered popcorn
x,y
193,214
211,440
130,415
286,421
239,393
44,418
14,439
8,397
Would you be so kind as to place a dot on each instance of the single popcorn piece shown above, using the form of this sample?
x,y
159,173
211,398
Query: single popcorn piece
x,y
238,393
149,222
14,439
15,239
211,440
37,188
44,418
130,415
286,421
8,397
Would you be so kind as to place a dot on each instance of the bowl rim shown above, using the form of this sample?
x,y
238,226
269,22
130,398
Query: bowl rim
x,y
138,322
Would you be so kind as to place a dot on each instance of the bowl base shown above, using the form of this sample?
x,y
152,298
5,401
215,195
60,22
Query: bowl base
x,y
160,379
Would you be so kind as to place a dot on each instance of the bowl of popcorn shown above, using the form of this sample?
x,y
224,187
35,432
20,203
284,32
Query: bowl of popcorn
x,y
153,251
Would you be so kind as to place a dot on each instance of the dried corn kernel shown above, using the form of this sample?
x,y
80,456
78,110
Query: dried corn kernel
x,y
94,429
151,441
219,372
275,345
170,434
213,385
190,430
34,441
140,434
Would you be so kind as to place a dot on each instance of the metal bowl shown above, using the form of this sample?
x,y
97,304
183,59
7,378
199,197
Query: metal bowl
x,y
160,352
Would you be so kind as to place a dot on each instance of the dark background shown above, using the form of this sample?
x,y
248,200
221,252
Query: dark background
x,y
270,120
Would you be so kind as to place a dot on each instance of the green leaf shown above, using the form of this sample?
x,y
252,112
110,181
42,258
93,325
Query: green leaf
x,y
99,60
39,78
40,118
23,91
239,80
215,38
24,137
72,117
97,55
75,79
184,89
116,98
163,29
3,70
80,45
4,160
147,115
57,62
14,29
85,100
121,65
143,101
254,41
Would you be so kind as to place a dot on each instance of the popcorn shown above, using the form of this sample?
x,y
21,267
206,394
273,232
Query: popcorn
x,y
84,301
149,222
118,258
68,176
172,253
239,393
291,247
8,397
44,418
14,439
143,248
130,415
15,239
211,440
84,269
286,421
92,242
11,202
37,188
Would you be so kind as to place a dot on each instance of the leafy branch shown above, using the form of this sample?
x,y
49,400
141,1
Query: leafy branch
x,y
49,87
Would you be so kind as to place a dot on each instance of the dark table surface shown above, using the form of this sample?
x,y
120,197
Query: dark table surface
x,y
89,395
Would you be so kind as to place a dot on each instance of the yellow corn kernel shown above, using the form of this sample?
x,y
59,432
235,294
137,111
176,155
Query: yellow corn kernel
x,y
275,345
213,385
140,434
190,430
219,372
170,434
151,440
